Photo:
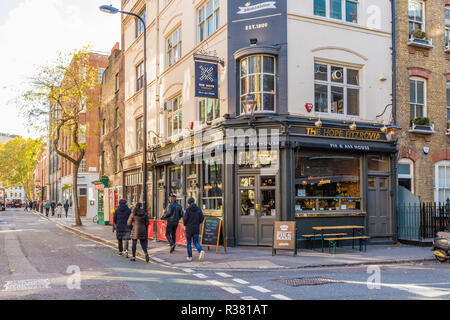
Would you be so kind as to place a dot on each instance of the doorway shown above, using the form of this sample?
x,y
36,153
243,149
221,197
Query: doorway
x,y
379,209
257,209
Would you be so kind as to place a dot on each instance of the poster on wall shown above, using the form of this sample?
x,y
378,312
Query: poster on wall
x,y
206,78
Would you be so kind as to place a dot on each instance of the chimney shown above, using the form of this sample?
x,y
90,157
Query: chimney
x,y
116,47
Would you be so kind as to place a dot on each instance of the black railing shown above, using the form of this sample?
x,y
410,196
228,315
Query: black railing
x,y
422,221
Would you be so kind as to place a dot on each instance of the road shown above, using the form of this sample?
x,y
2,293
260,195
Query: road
x,y
41,261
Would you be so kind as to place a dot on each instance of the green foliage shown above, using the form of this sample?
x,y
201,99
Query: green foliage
x,y
18,160
421,121
419,34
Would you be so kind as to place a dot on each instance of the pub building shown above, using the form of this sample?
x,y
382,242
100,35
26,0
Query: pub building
x,y
320,92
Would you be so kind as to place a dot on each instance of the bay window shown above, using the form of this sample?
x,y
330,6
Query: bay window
x,y
336,90
258,79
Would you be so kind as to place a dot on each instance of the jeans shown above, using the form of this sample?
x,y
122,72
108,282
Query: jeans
x,y
66,212
171,233
121,245
46,211
144,245
194,238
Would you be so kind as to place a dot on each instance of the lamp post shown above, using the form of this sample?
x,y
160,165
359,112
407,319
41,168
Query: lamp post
x,y
113,10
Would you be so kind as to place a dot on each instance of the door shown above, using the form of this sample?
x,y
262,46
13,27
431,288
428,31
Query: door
x,y
257,209
379,208
83,206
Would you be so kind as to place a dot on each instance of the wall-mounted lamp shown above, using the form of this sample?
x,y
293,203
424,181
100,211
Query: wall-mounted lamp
x,y
353,126
318,123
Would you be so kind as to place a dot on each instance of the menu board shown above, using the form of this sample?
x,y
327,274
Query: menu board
x,y
212,234
284,237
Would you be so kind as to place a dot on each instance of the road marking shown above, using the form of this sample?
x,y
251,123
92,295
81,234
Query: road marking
x,y
240,281
188,270
223,274
248,298
281,297
260,289
158,259
215,283
231,290
200,275
24,285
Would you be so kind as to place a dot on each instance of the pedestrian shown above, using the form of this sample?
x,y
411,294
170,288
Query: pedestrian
x,y
26,206
59,209
123,231
138,221
173,215
47,208
53,206
192,219
66,207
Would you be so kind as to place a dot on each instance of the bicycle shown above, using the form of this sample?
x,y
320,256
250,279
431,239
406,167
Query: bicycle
x,y
95,219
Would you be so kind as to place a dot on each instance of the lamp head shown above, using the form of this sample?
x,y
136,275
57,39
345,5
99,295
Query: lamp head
x,y
109,9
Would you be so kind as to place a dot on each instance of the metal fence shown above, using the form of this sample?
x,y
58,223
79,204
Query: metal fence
x,y
417,222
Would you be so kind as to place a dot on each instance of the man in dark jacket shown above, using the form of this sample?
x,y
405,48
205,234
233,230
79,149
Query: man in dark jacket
x,y
123,231
53,205
66,207
173,216
138,222
192,219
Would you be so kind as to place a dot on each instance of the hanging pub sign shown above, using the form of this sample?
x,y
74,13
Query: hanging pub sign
x,y
206,78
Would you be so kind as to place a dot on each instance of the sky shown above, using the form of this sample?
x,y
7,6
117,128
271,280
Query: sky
x,y
32,31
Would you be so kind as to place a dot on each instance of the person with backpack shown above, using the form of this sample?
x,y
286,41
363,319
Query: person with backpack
x,y
138,221
66,207
173,215
53,206
192,219
47,208
123,231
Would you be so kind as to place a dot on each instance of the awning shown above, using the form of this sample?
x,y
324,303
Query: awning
x,y
344,145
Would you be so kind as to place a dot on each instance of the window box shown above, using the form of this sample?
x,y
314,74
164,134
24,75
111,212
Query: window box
x,y
422,128
447,47
421,43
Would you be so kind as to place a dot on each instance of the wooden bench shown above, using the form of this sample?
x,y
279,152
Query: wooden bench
x,y
334,241
316,236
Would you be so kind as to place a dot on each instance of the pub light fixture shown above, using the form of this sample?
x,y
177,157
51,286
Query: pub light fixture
x,y
353,126
318,123
384,129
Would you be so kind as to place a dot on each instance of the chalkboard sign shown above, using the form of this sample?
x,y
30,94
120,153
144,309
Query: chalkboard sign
x,y
213,234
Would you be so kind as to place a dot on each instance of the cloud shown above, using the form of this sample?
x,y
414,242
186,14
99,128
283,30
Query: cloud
x,y
32,34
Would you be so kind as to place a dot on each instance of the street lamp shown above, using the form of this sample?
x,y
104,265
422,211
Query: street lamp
x,y
112,10
250,105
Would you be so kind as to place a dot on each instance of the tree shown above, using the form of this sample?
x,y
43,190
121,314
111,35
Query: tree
x,y
61,93
18,160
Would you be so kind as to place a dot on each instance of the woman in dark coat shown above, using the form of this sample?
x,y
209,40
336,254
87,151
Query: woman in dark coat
x,y
138,221
123,231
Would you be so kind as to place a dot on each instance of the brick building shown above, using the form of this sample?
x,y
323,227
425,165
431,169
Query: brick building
x,y
89,167
112,135
423,97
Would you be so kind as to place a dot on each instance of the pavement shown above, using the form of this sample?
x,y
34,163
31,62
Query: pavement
x,y
244,258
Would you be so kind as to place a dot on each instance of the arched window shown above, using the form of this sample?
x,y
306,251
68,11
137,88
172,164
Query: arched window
x,y
258,79
406,174
442,181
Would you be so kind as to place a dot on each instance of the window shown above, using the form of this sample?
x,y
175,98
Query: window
x,y
345,10
116,159
448,105
176,178
140,76
209,110
212,186
117,82
103,127
208,19
258,78
336,90
82,167
139,25
174,47
116,118
174,117
416,11
406,174
442,181
139,133
327,182
102,163
82,134
417,98
101,71
447,27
